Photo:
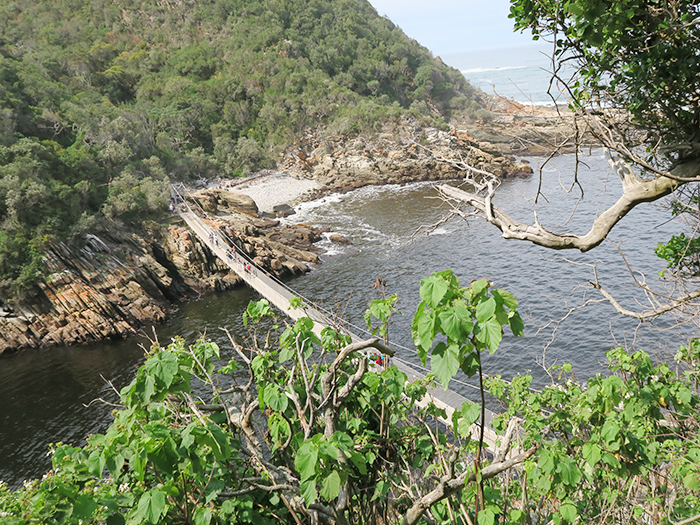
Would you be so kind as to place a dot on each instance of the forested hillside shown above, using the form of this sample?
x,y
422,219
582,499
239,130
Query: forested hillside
x,y
103,102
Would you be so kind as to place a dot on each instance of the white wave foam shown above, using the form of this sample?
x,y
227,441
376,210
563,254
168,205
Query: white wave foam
x,y
484,69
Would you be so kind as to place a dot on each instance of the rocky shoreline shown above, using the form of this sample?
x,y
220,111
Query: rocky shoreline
x,y
120,282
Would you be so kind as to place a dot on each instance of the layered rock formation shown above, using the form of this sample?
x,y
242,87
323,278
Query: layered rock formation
x,y
401,153
119,283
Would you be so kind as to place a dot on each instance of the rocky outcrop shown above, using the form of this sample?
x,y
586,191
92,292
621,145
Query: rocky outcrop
x,y
402,153
119,283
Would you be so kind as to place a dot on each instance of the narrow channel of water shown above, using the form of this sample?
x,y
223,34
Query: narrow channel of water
x,y
43,393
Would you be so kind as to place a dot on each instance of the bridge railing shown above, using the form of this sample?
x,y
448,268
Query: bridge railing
x,y
184,197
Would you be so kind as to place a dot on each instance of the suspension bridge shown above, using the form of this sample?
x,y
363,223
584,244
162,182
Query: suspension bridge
x,y
280,295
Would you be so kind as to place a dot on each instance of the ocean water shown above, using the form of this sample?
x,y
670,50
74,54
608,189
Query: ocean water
x,y
521,73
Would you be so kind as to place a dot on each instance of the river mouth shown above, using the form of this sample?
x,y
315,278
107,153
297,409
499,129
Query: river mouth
x,y
43,393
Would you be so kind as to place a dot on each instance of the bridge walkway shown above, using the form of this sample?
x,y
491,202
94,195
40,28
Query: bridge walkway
x,y
280,295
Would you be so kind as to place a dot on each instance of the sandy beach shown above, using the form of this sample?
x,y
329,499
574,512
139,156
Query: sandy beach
x,y
276,188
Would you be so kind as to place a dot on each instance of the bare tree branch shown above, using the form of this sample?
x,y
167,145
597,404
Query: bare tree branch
x,y
449,485
635,190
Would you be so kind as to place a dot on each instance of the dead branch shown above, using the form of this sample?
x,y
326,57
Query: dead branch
x,y
635,190
450,484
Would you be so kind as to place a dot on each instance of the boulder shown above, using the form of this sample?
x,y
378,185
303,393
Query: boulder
x,y
336,238
283,210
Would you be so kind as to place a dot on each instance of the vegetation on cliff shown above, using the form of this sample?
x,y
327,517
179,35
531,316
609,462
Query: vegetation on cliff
x,y
102,103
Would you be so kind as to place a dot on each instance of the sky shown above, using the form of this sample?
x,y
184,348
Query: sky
x,y
454,26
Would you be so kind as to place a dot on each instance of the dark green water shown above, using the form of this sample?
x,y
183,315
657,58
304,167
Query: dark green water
x,y
43,393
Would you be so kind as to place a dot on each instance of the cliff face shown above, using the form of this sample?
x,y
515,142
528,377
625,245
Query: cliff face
x,y
120,283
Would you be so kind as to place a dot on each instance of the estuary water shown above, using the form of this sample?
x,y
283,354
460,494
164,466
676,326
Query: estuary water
x,y
45,395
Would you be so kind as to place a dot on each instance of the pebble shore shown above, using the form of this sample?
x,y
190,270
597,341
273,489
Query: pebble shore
x,y
277,188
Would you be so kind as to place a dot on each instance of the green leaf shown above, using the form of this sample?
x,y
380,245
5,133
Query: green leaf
x,y
591,453
425,331
432,290
490,334
505,297
479,286
152,505
330,488
611,434
202,516
359,461
692,481
568,512
163,366
96,462
445,363
306,460
486,517
466,418
83,507
568,471
456,322
485,309
275,398
516,324
309,492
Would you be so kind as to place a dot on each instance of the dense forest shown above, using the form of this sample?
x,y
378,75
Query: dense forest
x,y
102,103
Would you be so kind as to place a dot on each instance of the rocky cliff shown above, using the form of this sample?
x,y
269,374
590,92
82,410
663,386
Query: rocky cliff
x,y
119,283
401,152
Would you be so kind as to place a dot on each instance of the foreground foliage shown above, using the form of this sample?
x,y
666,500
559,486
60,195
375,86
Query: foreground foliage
x,y
307,431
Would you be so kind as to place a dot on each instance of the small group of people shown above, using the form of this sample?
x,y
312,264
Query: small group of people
x,y
214,238
377,359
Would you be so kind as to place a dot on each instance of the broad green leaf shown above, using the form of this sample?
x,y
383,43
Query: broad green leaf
x,y
456,322
479,286
330,488
467,417
485,309
490,334
591,453
163,366
432,290
114,463
343,441
275,398
568,471
692,480
611,434
424,333
359,461
486,517
309,492
306,460
516,324
470,363
286,353
202,516
546,463
217,440
152,505
505,297
382,489
83,507
568,512
96,462
328,451
445,363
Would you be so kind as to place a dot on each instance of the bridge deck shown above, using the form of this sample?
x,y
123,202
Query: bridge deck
x,y
281,296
